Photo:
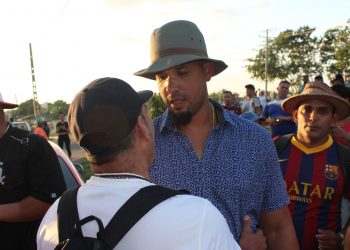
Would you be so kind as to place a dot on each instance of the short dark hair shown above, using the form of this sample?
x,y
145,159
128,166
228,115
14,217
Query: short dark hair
x,y
227,92
111,152
250,86
284,82
318,78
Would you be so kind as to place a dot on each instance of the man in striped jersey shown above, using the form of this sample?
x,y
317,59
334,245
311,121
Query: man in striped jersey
x,y
313,167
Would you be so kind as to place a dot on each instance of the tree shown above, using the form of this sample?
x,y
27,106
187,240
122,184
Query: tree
x,y
26,108
291,55
57,107
156,106
335,49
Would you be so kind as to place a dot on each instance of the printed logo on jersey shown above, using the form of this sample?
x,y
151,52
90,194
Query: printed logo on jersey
x,y
331,172
306,192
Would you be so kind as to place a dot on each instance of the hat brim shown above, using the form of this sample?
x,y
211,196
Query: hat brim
x,y
170,61
6,105
145,95
342,107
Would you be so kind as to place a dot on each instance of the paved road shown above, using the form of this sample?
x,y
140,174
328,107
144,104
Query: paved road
x,y
77,151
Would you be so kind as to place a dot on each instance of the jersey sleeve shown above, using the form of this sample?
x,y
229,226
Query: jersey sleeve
x,y
46,180
216,234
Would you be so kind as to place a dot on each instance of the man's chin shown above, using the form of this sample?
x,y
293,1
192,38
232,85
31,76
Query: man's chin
x,y
181,118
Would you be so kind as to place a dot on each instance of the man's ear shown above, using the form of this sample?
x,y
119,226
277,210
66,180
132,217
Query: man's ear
x,y
208,68
295,116
143,127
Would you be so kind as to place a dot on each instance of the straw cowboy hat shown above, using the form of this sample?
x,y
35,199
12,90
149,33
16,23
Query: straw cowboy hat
x,y
321,91
176,43
6,105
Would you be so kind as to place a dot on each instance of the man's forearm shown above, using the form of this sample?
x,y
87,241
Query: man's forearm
x,y
28,209
282,239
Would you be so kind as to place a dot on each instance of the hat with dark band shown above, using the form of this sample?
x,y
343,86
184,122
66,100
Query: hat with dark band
x,y
176,43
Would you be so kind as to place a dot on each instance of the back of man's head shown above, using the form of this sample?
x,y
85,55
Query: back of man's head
x,y
102,117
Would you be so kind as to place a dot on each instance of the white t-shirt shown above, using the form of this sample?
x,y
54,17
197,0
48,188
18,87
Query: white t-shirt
x,y
181,222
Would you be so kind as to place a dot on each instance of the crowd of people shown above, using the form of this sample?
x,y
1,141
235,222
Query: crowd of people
x,y
246,187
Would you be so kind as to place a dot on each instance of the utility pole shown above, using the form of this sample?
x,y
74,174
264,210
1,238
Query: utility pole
x,y
35,96
266,59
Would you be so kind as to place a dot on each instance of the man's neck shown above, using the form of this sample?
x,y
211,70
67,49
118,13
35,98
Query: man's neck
x,y
309,143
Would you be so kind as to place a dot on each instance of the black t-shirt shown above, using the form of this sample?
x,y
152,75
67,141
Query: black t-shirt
x,y
62,128
28,167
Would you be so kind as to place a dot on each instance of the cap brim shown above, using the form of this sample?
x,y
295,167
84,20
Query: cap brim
x,y
6,105
342,107
145,95
167,62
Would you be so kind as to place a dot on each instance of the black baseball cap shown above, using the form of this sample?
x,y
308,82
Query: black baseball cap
x,y
250,86
103,114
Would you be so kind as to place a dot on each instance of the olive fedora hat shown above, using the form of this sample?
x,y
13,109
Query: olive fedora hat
x,y
320,91
176,43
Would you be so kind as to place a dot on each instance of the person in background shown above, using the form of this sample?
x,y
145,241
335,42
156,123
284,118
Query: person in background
x,y
347,80
341,130
338,80
319,78
252,103
46,129
110,122
212,154
62,130
281,123
263,99
30,181
314,166
39,129
230,103
251,116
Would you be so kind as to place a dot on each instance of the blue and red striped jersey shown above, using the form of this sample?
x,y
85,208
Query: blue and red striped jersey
x,y
315,184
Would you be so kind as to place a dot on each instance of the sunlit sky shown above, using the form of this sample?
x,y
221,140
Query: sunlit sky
x,y
77,41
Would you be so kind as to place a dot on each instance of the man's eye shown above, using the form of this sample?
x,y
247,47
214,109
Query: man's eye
x,y
182,72
161,76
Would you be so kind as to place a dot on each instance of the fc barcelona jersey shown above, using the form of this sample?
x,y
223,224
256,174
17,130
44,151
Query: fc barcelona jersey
x,y
315,184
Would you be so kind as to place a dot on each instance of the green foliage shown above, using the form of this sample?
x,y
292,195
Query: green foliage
x,y
290,55
58,106
156,106
25,109
335,50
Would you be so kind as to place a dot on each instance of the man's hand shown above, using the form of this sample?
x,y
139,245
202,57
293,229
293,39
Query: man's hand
x,y
328,240
249,240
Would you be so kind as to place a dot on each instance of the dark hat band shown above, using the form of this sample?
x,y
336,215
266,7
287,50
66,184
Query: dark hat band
x,y
175,51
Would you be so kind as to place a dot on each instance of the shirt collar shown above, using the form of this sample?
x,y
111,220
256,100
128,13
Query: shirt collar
x,y
312,150
166,121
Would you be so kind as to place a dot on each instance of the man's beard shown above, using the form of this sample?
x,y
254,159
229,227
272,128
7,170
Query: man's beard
x,y
182,118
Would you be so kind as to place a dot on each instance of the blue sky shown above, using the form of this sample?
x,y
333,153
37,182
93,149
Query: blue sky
x,y
77,41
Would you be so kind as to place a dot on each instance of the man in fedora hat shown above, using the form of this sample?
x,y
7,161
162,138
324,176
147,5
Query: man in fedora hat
x,y
109,119
314,166
30,181
202,148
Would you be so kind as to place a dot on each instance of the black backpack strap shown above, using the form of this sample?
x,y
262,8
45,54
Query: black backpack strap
x,y
133,210
67,214
281,142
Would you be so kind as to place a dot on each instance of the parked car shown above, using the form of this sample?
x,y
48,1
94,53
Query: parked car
x,y
22,125
69,170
